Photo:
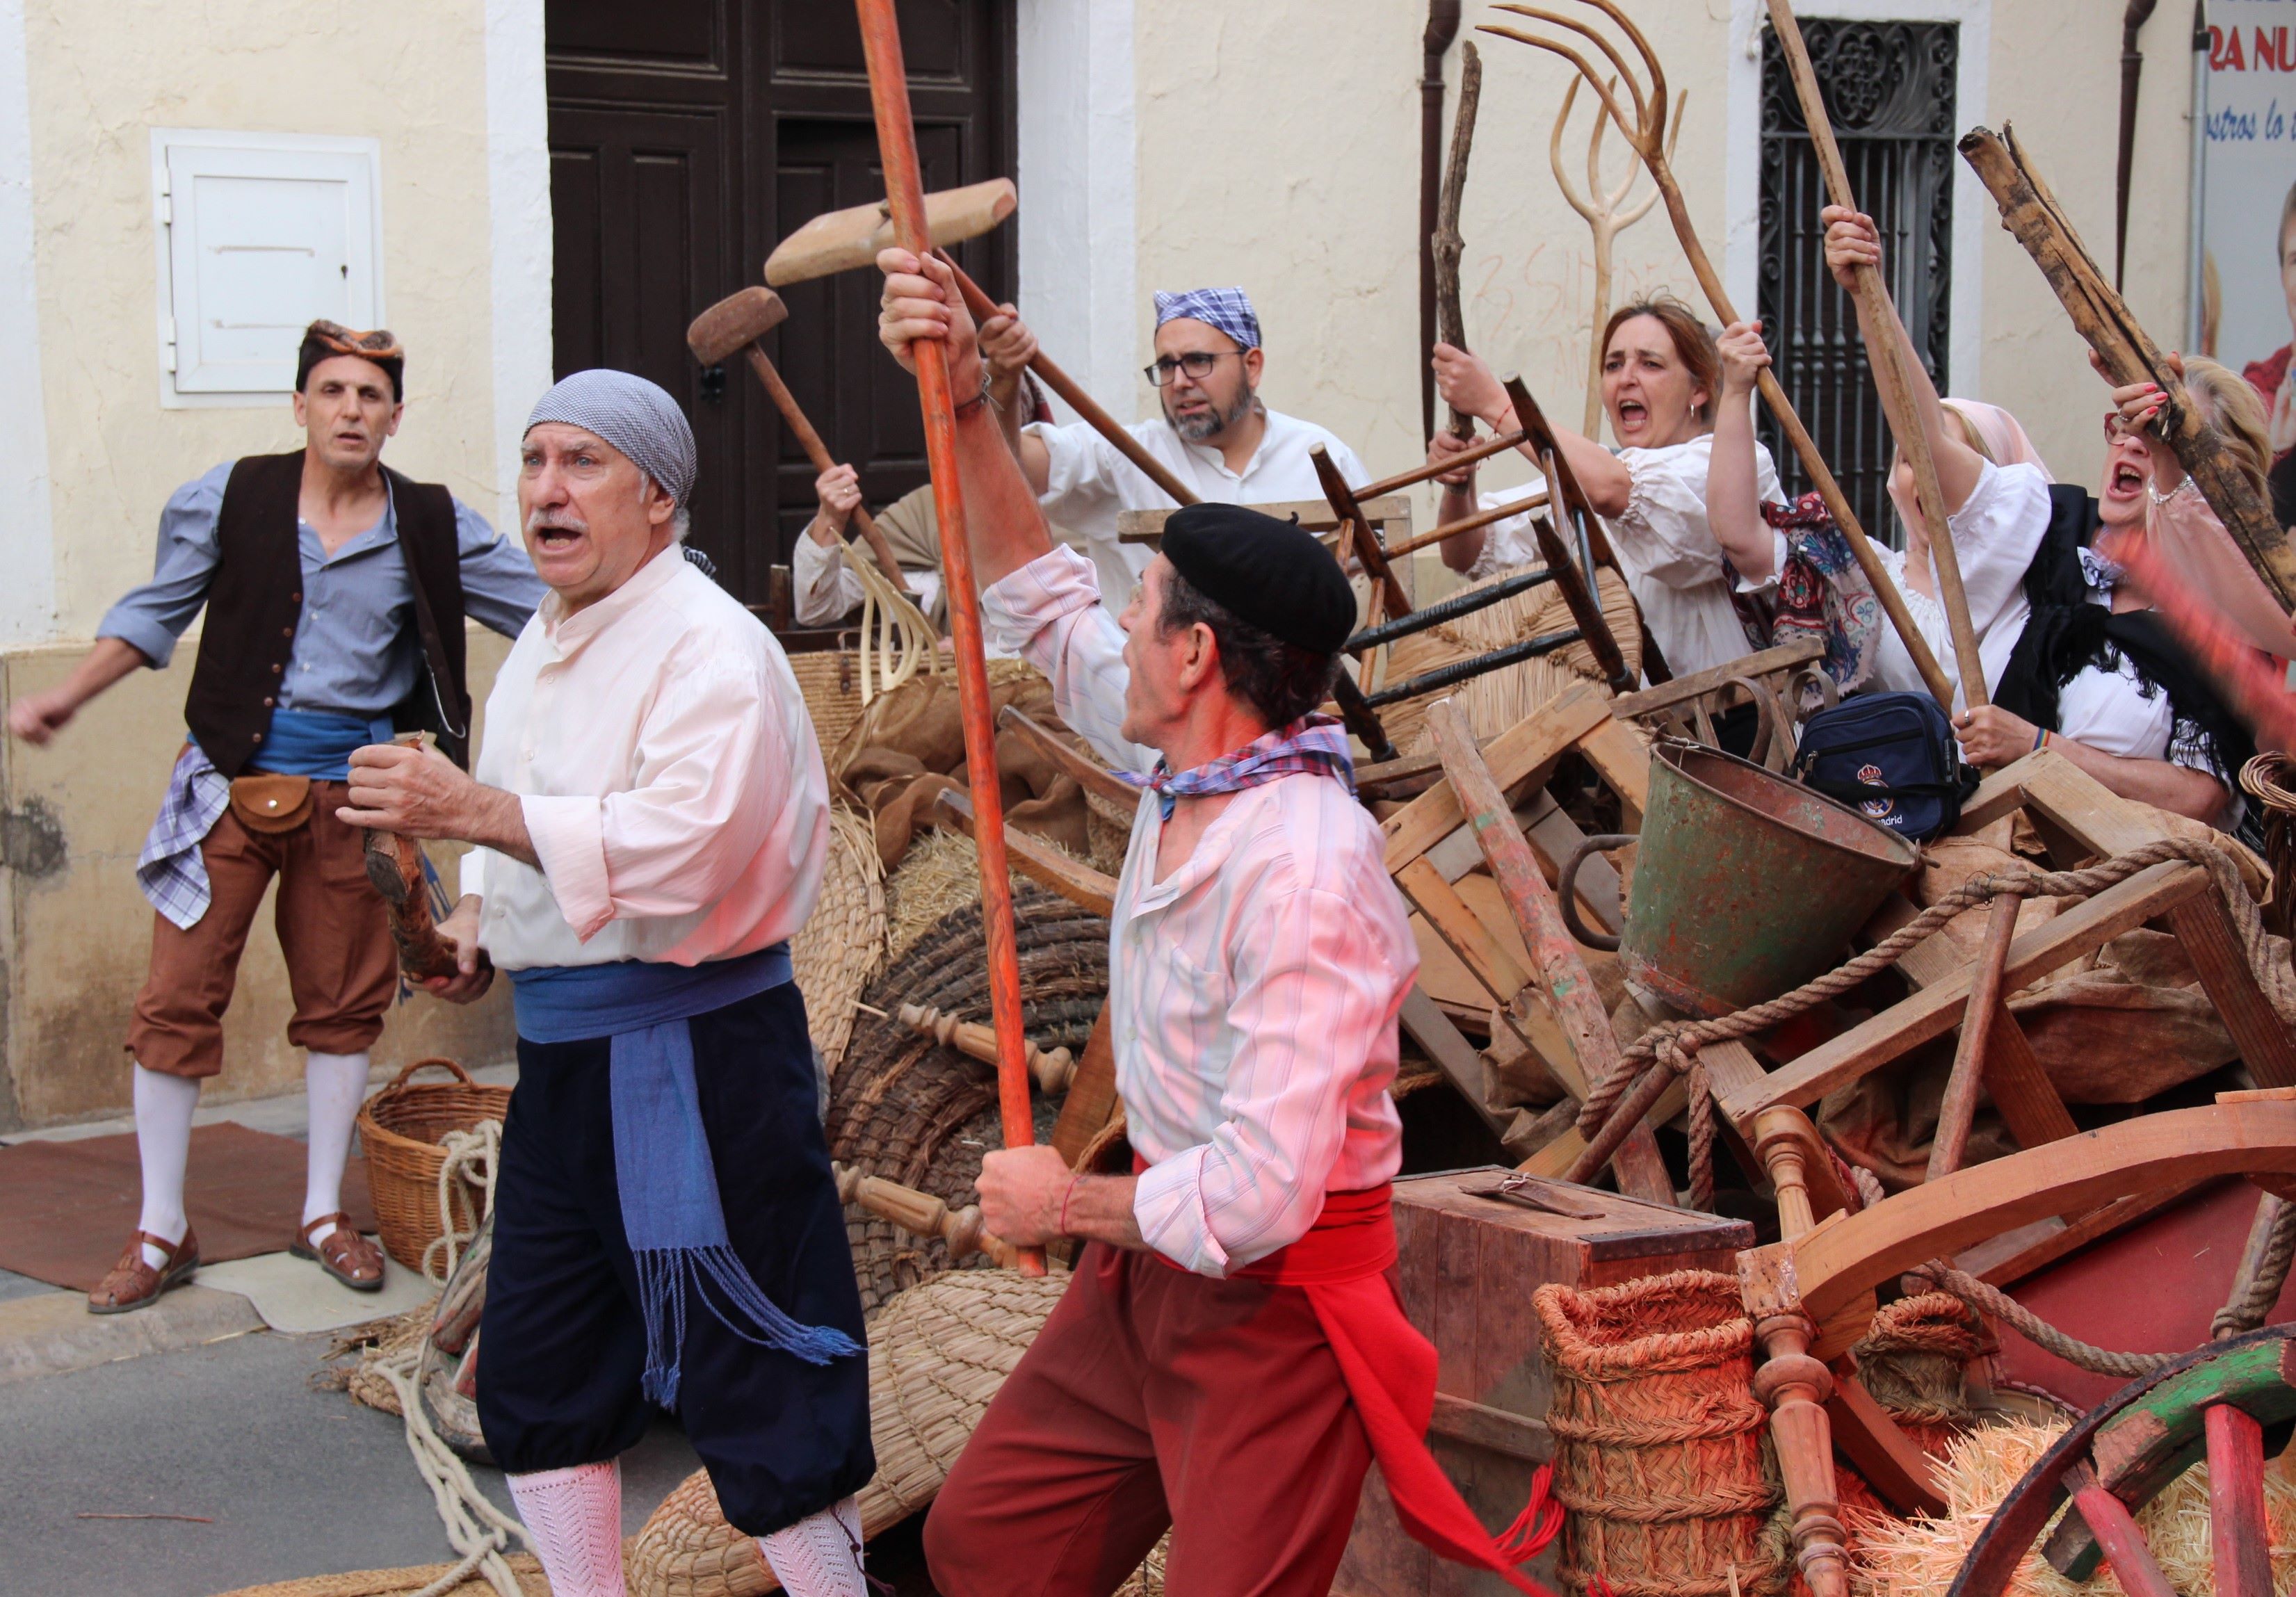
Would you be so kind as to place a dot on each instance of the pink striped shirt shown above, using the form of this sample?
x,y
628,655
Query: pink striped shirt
x,y
1253,992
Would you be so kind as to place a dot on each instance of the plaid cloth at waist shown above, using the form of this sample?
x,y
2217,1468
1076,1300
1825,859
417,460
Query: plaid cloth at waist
x,y
171,870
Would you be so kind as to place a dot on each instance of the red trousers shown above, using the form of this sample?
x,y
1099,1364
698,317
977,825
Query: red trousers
x,y
1155,1399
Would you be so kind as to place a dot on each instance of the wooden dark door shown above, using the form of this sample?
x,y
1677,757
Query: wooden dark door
x,y
686,138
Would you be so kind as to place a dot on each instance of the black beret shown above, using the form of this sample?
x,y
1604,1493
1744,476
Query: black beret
x,y
1269,573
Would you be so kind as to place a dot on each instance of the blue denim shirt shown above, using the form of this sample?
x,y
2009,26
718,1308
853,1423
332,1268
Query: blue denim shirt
x,y
355,650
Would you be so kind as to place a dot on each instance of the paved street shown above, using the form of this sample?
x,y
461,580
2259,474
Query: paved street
x,y
296,1481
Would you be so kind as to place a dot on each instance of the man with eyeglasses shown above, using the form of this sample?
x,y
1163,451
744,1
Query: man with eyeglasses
x,y
1215,435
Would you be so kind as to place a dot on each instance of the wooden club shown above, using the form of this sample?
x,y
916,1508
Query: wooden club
x,y
1896,389
1646,132
896,144
739,322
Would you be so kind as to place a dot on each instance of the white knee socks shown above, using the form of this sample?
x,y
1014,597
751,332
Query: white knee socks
x,y
574,1517
820,1555
335,1085
163,1144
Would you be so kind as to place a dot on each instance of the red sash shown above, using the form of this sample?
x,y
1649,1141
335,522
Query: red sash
x,y
1342,1264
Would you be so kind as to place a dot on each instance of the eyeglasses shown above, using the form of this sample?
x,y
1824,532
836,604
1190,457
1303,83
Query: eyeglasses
x,y
1196,363
2117,428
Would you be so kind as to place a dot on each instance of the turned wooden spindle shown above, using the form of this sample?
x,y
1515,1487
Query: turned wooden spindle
x,y
1052,1068
923,1214
1790,1383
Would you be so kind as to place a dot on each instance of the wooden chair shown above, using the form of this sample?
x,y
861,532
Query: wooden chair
x,y
1773,681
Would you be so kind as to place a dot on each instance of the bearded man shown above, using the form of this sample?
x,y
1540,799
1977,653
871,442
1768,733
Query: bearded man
x,y
1230,1354
652,819
335,591
1215,434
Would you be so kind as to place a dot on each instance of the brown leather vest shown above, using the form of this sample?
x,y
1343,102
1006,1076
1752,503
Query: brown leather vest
x,y
257,597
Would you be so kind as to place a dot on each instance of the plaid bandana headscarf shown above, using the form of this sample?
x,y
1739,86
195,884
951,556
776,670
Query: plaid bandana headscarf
x,y
1315,743
324,340
1227,310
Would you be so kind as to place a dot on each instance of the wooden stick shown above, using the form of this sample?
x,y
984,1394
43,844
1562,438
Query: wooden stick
x,y
1600,210
1890,377
1452,529
1977,1023
1448,246
1085,405
1511,439
2116,1531
1646,136
2237,1531
1089,776
1560,970
1035,859
2030,214
897,146
1577,586
1356,532
793,417
921,1214
1051,1067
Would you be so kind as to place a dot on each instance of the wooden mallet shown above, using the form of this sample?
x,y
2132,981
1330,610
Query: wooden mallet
x,y
897,146
840,241
739,322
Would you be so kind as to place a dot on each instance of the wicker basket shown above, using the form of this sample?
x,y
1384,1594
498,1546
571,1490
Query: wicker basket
x,y
401,1127
830,679
1661,1453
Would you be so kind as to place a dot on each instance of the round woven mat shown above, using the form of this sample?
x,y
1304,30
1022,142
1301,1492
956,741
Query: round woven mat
x,y
1497,700
906,1108
843,943
936,1358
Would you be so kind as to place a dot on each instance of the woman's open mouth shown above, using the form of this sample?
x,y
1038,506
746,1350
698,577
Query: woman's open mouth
x,y
1632,414
2126,482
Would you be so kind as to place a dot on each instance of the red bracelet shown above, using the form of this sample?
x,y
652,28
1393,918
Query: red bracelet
x,y
1065,1196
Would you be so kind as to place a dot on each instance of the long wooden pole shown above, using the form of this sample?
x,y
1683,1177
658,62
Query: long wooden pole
x,y
1977,1023
1890,376
794,416
1709,284
2031,215
1085,405
897,146
1450,320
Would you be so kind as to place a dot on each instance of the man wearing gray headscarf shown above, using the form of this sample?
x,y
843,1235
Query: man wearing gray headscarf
x,y
650,818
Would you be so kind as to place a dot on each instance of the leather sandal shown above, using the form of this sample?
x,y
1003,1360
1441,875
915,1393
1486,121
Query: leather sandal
x,y
345,1254
133,1282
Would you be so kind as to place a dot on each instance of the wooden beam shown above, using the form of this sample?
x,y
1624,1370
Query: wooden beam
x,y
1527,749
1038,860
1785,656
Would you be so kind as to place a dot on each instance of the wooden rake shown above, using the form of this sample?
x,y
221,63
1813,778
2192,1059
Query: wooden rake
x,y
1646,133
1600,207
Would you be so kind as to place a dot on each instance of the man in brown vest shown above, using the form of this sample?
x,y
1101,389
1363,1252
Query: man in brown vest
x,y
335,590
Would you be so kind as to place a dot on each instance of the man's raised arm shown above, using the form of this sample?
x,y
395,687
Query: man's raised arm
x,y
1002,520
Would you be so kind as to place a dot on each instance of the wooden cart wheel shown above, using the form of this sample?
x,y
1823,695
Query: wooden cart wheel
x,y
2217,1403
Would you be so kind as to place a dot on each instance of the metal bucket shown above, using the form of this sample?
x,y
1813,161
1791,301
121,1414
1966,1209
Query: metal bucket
x,y
1747,884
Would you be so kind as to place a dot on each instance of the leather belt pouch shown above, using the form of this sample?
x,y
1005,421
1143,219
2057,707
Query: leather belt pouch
x,y
270,801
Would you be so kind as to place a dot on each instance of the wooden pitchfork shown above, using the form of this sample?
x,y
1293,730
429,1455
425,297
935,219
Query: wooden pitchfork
x,y
1599,207
896,144
1646,133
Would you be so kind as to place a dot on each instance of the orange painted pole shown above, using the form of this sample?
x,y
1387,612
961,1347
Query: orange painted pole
x,y
897,146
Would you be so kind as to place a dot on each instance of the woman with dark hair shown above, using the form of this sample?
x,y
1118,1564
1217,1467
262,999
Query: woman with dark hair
x,y
1660,381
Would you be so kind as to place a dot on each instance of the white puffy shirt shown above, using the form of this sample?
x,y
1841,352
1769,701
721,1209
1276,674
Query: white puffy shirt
x,y
1666,548
1996,534
1253,993
669,775
1088,482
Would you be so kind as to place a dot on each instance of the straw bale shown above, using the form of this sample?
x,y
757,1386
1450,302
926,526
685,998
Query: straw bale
x,y
1497,700
1919,1557
936,1358
399,1582
842,944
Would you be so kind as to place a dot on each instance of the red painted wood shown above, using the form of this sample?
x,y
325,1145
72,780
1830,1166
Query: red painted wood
x,y
2117,1533
905,195
2236,1524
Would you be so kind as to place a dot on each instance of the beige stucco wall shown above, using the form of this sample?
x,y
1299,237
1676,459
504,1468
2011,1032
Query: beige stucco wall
x,y
1278,147
412,75
75,932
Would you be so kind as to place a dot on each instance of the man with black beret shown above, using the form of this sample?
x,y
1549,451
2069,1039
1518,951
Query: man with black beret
x,y
1230,1355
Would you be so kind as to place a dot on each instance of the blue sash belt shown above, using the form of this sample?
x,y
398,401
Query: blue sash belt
x,y
316,742
671,1213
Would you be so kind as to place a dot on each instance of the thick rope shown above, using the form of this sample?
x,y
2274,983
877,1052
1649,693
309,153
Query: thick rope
x,y
472,1156
2255,1293
1673,1045
475,1528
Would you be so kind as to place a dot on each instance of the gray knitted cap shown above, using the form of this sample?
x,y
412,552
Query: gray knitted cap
x,y
637,417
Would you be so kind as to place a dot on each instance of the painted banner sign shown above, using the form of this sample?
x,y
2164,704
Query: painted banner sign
x,y
2248,210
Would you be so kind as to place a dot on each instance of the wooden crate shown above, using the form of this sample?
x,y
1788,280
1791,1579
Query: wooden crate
x,y
1469,1267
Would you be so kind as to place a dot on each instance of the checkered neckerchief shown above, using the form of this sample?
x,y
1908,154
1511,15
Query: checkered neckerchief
x,y
171,871
1313,743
